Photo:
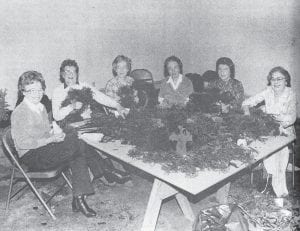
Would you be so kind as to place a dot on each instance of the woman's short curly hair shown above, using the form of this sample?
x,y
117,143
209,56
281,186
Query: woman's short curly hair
x,y
118,59
281,70
228,62
29,77
172,58
71,63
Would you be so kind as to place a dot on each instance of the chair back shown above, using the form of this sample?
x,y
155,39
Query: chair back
x,y
142,75
9,147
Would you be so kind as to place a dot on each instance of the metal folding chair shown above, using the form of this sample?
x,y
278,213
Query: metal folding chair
x,y
292,152
144,84
19,173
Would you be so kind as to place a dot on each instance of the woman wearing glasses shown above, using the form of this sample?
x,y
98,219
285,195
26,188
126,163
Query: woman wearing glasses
x,y
280,101
39,148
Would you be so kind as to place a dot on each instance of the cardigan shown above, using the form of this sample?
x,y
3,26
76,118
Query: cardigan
x,y
176,97
28,128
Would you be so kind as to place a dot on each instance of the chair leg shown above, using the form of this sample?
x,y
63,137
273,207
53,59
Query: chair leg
x,y
39,197
21,189
56,192
9,190
293,166
66,179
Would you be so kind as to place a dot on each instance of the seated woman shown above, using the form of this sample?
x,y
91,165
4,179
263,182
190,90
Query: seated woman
x,y
121,68
227,83
280,101
175,88
69,71
40,149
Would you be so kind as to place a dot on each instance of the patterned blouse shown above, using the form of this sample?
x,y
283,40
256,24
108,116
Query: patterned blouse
x,y
283,107
114,84
233,86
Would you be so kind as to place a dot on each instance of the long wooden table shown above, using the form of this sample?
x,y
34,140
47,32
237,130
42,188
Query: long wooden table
x,y
172,184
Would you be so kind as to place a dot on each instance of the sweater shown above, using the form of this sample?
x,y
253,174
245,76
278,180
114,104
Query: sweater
x,y
177,96
28,128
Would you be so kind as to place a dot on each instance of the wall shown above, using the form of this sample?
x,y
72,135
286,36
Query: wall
x,y
257,35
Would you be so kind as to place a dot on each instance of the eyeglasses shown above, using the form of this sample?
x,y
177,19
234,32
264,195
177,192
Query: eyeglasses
x,y
33,92
277,79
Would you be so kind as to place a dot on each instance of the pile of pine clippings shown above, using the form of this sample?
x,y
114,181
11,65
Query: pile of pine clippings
x,y
213,146
214,135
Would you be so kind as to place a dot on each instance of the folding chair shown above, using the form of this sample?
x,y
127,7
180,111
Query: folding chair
x,y
20,173
292,152
144,84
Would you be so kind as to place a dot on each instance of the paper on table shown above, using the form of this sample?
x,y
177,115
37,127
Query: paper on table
x,y
92,136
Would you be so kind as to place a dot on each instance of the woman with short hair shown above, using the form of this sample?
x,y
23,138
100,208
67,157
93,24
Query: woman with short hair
x,y
175,88
39,148
280,101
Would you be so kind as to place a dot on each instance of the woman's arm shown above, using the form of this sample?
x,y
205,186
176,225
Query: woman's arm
x,y
103,98
288,117
253,101
59,113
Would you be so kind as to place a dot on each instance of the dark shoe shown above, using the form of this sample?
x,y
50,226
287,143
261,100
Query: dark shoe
x,y
118,176
265,187
106,180
79,205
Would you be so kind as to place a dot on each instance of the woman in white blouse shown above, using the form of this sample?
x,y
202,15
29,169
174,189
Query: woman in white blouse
x,y
69,77
280,101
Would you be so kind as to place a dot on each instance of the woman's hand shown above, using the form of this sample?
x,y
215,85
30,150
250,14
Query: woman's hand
x,y
136,98
56,138
246,110
122,111
76,105
225,108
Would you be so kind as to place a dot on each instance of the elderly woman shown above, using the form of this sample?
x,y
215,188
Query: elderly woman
x,y
40,149
280,101
227,83
175,88
121,68
69,74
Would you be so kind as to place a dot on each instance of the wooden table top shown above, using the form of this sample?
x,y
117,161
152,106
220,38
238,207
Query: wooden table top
x,y
204,178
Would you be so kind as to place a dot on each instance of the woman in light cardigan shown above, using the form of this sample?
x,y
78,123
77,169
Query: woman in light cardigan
x,y
280,101
175,89
39,148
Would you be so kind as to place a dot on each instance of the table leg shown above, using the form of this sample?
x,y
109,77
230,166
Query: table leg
x,y
185,206
159,192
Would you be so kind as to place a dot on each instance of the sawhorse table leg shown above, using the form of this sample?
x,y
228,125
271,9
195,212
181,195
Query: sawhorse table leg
x,y
159,192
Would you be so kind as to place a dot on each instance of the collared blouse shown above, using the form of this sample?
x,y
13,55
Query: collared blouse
x,y
282,107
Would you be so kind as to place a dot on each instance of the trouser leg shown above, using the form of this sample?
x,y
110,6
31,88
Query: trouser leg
x,y
55,154
93,159
279,175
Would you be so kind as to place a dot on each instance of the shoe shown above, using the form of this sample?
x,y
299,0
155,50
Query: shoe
x,y
107,180
289,168
79,205
265,187
117,176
